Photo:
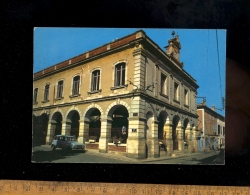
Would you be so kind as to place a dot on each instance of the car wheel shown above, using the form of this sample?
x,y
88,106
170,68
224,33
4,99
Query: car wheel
x,y
53,148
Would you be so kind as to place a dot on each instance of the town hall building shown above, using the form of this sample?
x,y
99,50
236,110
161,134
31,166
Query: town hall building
x,y
128,96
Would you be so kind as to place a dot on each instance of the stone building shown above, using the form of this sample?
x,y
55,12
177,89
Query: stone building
x,y
212,128
128,96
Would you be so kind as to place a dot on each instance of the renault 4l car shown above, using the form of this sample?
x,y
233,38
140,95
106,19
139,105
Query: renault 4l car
x,y
67,143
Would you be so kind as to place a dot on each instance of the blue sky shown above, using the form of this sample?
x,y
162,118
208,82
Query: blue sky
x,y
198,53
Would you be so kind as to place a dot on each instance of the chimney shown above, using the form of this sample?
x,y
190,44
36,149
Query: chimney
x,y
213,108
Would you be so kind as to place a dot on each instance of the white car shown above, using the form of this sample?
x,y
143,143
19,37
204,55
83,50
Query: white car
x,y
67,143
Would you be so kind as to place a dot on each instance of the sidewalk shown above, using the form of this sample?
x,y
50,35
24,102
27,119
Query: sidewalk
x,y
122,156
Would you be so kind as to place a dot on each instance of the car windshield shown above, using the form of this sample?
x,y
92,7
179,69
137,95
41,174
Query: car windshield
x,y
63,138
70,138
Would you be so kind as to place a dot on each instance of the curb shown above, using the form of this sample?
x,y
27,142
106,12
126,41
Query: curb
x,y
123,157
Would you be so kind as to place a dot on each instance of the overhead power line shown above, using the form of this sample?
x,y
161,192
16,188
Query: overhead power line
x,y
218,62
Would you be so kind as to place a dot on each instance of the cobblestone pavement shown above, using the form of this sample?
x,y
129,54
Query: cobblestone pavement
x,y
115,157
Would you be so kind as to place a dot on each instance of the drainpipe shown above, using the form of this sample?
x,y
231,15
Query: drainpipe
x,y
203,127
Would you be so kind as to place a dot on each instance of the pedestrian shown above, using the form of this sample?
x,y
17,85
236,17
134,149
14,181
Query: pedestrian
x,y
124,130
123,135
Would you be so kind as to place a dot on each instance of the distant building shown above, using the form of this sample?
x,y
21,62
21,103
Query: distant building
x,y
128,96
212,128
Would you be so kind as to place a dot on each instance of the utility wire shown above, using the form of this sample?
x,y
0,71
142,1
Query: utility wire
x,y
207,53
218,62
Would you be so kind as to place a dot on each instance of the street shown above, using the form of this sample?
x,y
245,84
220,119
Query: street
x,y
44,155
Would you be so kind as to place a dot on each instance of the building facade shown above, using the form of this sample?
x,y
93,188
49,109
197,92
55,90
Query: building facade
x,y
212,128
127,96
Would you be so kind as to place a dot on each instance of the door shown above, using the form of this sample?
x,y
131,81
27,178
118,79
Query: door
x,y
199,144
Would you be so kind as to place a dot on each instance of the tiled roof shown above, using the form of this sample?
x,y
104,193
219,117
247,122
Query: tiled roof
x,y
99,50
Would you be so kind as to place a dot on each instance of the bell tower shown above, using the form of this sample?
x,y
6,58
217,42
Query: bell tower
x,y
173,49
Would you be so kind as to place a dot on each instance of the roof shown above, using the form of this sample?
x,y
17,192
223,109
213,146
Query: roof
x,y
107,48
88,54
210,111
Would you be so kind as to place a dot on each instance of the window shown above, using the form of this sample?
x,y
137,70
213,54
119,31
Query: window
x,y
163,84
35,95
76,84
120,74
95,80
60,89
186,96
176,91
218,129
223,130
215,130
46,93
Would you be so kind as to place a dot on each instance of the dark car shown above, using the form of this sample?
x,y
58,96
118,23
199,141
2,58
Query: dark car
x,y
66,142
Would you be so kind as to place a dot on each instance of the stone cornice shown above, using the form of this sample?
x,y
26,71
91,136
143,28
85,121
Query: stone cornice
x,y
160,55
106,49
138,39
38,75
128,95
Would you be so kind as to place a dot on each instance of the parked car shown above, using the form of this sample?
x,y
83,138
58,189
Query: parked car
x,y
67,143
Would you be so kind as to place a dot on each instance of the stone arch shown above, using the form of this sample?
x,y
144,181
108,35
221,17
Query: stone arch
x,y
44,111
149,132
56,110
118,114
72,121
186,123
92,119
186,126
40,128
113,107
90,108
69,113
56,123
149,119
152,110
162,118
36,114
176,121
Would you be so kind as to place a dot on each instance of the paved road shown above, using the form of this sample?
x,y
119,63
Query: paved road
x,y
73,157
43,154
